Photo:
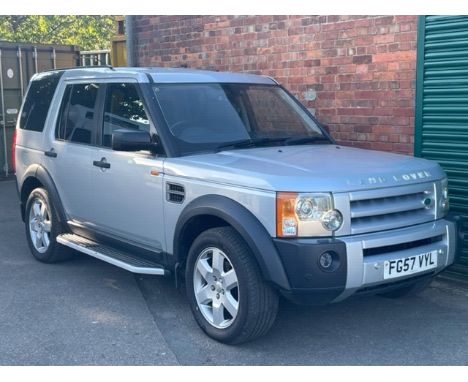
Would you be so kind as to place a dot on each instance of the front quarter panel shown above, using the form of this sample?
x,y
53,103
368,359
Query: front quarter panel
x,y
251,212
260,203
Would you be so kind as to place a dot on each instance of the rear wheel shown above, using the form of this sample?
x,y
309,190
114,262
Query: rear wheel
x,y
227,294
43,227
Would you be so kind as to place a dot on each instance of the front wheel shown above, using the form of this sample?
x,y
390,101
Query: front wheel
x,y
227,294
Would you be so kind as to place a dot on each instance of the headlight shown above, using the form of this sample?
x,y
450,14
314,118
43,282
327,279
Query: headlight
x,y
444,198
306,215
332,220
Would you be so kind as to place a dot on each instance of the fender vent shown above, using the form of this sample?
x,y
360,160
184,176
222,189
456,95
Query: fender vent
x,y
175,193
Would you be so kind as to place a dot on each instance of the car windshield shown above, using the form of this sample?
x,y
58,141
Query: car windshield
x,y
228,116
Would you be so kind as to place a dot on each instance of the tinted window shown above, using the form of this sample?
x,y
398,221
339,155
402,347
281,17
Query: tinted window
x,y
123,110
274,115
203,116
38,100
77,118
63,114
198,113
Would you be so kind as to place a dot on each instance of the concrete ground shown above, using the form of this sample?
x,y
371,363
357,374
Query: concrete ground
x,y
86,312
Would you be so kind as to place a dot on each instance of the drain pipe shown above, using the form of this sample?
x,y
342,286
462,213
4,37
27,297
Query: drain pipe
x,y
129,36
2,94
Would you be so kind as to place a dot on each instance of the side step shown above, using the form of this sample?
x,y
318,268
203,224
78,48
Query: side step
x,y
110,255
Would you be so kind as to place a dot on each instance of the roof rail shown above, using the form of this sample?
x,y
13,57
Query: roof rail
x,y
83,67
272,78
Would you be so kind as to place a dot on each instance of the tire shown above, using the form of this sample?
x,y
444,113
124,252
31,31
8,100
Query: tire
x,y
238,306
43,227
409,290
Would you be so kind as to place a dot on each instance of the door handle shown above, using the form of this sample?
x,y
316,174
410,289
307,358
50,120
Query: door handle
x,y
51,153
101,163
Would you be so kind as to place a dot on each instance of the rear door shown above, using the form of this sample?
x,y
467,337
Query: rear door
x,y
74,145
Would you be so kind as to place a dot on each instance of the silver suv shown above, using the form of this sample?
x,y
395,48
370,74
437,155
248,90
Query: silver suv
x,y
228,183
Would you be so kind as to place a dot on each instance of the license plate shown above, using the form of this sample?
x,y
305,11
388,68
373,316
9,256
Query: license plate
x,y
410,265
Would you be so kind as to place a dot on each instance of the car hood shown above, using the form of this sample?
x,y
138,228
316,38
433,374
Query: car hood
x,y
306,168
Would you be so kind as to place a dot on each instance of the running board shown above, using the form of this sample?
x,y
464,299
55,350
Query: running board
x,y
110,255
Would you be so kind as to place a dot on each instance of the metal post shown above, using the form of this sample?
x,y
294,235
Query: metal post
x,y
20,62
54,59
129,40
3,115
35,60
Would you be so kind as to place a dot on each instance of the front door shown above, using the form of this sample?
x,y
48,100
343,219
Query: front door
x,y
127,189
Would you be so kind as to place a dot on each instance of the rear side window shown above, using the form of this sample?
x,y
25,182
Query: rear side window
x,y
77,120
38,100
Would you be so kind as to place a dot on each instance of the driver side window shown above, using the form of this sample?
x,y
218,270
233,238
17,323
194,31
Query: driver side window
x,y
123,109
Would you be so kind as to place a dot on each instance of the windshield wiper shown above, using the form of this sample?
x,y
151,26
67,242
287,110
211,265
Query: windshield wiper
x,y
307,139
253,142
245,143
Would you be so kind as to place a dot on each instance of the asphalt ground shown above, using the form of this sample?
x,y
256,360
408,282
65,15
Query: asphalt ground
x,y
86,312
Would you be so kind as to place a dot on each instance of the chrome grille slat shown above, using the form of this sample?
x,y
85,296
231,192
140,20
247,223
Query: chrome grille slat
x,y
384,222
396,207
388,205
393,191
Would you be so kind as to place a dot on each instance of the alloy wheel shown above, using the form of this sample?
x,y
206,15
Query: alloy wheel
x,y
216,287
40,225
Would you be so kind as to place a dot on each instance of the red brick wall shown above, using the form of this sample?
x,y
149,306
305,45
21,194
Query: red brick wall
x,y
356,73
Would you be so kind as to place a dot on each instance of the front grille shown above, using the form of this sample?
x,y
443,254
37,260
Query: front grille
x,y
383,209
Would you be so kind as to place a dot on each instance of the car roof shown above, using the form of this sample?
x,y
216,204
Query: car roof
x,y
167,75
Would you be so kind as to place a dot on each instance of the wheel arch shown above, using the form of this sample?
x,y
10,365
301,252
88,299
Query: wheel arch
x,y
210,211
37,176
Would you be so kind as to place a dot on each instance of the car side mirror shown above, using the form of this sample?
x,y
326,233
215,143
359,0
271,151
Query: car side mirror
x,y
129,140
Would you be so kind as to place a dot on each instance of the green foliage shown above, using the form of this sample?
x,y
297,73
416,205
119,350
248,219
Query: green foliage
x,y
87,32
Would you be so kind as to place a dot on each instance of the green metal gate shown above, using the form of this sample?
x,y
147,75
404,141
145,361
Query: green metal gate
x,y
18,63
441,123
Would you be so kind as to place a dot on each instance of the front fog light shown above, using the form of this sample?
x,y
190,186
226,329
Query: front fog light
x,y
329,261
332,220
326,260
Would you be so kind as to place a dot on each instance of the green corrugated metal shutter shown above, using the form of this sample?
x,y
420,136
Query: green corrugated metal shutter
x,y
441,125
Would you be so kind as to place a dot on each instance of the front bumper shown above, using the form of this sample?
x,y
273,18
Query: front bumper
x,y
361,260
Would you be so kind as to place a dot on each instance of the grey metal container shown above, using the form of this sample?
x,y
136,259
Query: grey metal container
x,y
18,63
